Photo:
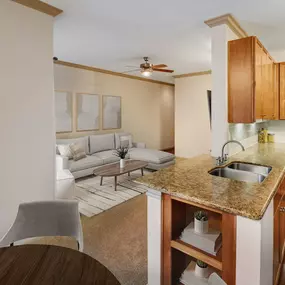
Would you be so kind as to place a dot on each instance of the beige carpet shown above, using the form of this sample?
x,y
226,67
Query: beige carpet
x,y
117,239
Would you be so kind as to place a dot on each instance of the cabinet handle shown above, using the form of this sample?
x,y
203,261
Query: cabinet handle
x,y
282,209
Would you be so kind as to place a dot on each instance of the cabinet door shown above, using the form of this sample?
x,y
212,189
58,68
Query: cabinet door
x,y
279,231
258,81
269,96
276,248
282,90
281,228
276,91
241,80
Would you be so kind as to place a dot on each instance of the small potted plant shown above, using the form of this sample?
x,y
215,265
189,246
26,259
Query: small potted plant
x,y
201,224
201,269
122,152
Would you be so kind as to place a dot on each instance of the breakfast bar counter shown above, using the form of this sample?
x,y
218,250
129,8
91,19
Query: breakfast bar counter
x,y
189,179
250,215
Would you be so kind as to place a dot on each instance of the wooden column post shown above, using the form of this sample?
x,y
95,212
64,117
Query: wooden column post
x,y
166,240
229,248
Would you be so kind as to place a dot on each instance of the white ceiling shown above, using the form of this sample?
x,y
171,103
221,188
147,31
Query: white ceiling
x,y
112,34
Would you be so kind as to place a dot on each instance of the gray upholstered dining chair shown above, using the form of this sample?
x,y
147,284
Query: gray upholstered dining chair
x,y
215,279
47,218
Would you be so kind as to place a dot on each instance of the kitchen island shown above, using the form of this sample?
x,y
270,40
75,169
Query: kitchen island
x,y
248,215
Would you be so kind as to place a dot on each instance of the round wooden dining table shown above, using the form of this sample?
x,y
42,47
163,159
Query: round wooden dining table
x,y
51,265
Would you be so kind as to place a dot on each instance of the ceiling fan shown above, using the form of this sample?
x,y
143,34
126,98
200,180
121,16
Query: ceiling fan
x,y
147,68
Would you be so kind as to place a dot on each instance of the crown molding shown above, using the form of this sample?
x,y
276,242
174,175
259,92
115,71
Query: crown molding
x,y
229,20
193,74
95,69
40,6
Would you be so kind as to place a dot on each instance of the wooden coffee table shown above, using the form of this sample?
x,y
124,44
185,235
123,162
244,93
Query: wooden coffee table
x,y
115,170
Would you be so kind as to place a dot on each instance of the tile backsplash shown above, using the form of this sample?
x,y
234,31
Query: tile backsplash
x,y
243,131
277,128
247,134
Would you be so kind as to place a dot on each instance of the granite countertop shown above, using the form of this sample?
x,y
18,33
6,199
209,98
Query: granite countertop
x,y
189,179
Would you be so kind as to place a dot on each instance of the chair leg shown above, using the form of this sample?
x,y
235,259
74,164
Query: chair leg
x,y
78,246
12,244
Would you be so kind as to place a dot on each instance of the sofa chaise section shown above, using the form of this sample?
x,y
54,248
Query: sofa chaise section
x,y
156,159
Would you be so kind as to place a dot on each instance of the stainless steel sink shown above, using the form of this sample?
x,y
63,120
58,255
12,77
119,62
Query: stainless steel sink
x,y
239,175
254,168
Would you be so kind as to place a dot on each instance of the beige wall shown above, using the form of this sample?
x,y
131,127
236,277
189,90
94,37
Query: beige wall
x,y
147,108
192,122
27,168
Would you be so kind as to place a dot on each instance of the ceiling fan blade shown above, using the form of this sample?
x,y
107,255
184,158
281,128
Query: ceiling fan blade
x,y
133,70
163,70
160,66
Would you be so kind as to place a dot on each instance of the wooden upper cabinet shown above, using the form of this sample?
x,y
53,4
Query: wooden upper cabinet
x,y
252,82
282,90
258,80
270,106
241,80
267,95
276,89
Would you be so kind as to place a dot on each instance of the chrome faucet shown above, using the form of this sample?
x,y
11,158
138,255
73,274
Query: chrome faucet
x,y
222,159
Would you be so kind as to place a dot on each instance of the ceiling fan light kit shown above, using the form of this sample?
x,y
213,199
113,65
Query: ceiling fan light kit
x,y
146,72
147,68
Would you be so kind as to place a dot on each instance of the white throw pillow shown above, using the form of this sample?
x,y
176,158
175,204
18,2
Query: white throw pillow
x,y
64,150
77,151
126,141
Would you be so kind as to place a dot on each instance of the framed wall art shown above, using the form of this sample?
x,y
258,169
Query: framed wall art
x,y
111,112
87,112
63,111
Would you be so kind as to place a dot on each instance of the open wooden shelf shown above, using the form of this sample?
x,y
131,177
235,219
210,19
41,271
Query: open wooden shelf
x,y
214,261
177,214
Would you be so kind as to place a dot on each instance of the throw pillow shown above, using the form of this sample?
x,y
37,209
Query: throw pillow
x,y
126,141
77,151
64,150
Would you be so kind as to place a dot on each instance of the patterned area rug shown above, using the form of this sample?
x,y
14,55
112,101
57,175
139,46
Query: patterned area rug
x,y
95,199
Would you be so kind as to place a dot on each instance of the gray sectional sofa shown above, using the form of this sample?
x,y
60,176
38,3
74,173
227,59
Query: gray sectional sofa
x,y
100,151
